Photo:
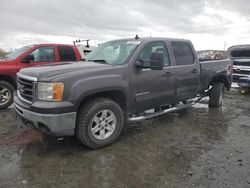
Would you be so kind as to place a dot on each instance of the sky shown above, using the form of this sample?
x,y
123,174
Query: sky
x,y
209,24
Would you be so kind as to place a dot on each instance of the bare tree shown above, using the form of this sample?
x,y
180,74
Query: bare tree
x,y
3,53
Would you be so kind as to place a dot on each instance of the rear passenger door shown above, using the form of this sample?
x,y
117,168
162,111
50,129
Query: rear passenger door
x,y
66,53
187,70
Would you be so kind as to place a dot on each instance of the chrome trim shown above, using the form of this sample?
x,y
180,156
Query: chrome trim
x,y
245,75
34,79
151,115
19,96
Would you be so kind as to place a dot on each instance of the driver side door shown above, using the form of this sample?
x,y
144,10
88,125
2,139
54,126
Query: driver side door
x,y
153,88
42,56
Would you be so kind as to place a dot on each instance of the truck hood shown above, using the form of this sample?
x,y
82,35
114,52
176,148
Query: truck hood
x,y
51,72
239,52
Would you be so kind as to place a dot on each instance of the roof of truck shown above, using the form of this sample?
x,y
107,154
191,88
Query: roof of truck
x,y
153,39
50,44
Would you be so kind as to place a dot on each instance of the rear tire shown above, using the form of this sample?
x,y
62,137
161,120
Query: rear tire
x,y
216,95
6,94
99,123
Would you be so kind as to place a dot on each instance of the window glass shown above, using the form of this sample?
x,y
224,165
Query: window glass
x,y
183,53
154,47
44,54
17,53
113,52
66,53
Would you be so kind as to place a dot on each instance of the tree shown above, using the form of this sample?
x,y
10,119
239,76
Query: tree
x,y
3,53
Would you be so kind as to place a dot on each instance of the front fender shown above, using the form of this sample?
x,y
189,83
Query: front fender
x,y
93,85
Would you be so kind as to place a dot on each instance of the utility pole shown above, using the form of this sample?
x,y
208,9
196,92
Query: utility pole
x,y
225,44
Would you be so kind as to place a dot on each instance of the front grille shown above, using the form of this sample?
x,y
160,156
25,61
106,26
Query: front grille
x,y
238,71
241,63
25,89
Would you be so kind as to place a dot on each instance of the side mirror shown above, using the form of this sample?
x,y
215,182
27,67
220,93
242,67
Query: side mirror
x,y
139,64
28,58
156,61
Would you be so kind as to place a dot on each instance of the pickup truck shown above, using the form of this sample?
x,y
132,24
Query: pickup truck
x,y
28,56
127,79
240,54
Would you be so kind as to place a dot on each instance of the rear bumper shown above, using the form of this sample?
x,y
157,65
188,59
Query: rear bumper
x,y
52,124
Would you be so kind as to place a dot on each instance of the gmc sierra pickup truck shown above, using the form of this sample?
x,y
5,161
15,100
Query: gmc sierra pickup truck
x,y
29,56
128,79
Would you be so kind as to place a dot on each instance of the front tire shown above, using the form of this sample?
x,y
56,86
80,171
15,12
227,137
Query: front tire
x,y
6,94
99,123
216,94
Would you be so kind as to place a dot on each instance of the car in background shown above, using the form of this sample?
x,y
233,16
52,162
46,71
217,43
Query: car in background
x,y
240,55
28,56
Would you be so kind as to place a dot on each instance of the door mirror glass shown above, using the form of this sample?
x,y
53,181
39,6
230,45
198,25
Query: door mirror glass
x,y
156,61
28,58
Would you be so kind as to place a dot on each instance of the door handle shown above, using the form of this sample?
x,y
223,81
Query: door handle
x,y
194,71
167,74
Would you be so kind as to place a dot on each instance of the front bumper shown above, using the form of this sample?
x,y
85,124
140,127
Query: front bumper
x,y
52,124
244,82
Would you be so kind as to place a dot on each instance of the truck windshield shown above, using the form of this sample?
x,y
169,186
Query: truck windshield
x,y
114,52
18,52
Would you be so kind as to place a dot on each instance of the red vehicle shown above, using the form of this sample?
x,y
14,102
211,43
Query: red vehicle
x,y
29,56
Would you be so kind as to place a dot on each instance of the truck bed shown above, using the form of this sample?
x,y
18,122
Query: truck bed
x,y
210,69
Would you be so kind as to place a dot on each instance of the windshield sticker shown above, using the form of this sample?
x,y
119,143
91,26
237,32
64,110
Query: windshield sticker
x,y
133,42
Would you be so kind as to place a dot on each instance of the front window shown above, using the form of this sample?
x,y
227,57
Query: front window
x,y
114,52
152,47
44,54
18,52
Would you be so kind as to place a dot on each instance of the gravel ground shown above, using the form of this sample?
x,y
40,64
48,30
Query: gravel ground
x,y
198,147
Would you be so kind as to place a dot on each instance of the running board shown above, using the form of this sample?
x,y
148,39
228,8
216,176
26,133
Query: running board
x,y
158,113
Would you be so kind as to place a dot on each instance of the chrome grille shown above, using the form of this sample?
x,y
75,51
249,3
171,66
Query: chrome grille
x,y
26,88
239,71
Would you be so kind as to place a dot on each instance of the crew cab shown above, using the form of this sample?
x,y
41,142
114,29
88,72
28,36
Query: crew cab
x,y
29,56
121,80
240,54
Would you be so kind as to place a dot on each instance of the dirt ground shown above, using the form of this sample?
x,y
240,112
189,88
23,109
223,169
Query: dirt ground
x,y
198,147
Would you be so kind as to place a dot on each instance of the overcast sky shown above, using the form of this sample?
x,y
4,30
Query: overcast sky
x,y
208,23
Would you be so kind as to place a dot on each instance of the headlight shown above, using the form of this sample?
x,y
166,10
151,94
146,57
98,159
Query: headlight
x,y
50,91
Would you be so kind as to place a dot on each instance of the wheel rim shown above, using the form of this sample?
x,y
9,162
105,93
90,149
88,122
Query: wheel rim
x,y
103,124
221,96
5,95
243,91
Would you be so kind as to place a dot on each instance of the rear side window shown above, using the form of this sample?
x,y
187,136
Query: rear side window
x,y
66,53
183,53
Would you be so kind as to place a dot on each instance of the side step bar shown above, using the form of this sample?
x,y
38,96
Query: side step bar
x,y
158,113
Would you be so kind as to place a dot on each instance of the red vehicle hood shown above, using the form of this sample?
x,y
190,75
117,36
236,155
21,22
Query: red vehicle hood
x,y
5,61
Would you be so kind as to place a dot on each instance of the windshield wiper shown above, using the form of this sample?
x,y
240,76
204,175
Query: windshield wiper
x,y
103,61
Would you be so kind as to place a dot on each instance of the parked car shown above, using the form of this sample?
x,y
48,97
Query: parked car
x,y
29,56
241,59
121,80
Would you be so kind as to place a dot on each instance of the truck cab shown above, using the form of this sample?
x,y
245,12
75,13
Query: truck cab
x,y
29,56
